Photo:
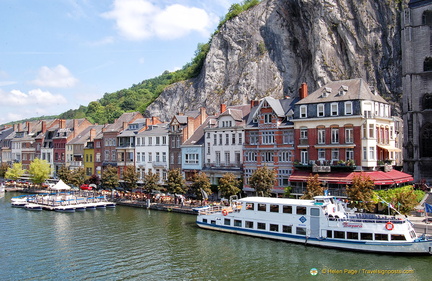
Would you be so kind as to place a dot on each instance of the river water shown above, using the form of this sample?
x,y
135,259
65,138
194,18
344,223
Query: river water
x,y
128,243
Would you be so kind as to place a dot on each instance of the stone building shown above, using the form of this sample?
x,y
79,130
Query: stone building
x,y
417,88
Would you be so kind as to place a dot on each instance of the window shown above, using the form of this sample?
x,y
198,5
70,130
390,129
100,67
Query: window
x,y
267,118
371,153
138,157
250,156
348,108
253,137
301,210
208,148
334,109
233,138
301,231
192,158
285,156
238,223
303,111
267,156
349,154
371,131
226,139
321,136
249,224
335,135
364,152
381,237
339,234
157,156
321,154
268,138
214,139
287,209
227,158
218,158
164,140
320,110
288,137
274,208
150,156
157,140
352,235
220,139
274,227
303,133
240,138
304,157
150,141
287,228
261,225
397,237
261,207
366,236
227,222
335,154
349,135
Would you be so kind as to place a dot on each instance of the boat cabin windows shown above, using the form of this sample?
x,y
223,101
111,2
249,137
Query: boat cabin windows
x,y
339,234
301,210
274,208
250,206
227,222
352,235
274,227
287,209
262,207
301,230
238,223
287,228
315,212
366,236
412,233
329,234
204,220
261,225
399,237
213,222
249,224
381,237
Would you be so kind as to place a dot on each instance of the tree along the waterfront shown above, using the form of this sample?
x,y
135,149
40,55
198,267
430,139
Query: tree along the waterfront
x,y
3,169
40,171
313,187
403,199
78,176
130,177
151,182
65,174
228,185
110,177
262,180
360,193
175,182
200,186
15,172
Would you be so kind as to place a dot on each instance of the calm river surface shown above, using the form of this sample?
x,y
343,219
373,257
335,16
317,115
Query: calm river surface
x,y
138,244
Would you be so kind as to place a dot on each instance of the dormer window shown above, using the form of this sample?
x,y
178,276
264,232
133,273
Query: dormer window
x,y
303,111
334,109
348,108
326,92
267,118
342,90
320,110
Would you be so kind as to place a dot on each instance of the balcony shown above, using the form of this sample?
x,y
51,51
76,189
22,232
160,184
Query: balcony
x,y
158,164
76,164
215,165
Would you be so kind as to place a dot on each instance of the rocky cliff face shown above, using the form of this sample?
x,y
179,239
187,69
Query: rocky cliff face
x,y
272,48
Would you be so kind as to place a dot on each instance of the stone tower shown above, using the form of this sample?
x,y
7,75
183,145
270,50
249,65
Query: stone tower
x,y
417,88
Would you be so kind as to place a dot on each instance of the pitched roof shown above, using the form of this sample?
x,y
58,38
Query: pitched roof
x,y
197,137
354,89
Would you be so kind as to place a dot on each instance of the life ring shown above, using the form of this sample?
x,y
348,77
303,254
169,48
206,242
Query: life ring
x,y
224,212
389,226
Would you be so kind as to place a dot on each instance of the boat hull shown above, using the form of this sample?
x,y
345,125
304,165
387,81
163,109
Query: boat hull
x,y
403,248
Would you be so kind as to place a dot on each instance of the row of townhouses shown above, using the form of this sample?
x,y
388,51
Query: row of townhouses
x,y
339,130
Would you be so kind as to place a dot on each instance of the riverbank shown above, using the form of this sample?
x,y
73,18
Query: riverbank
x,y
176,208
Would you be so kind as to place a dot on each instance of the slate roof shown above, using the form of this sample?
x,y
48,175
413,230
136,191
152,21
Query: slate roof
x,y
419,3
356,89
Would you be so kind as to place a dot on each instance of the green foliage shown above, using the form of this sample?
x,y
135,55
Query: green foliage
x,y
228,185
262,180
200,181
3,169
313,187
14,172
65,174
175,182
94,179
77,177
130,177
109,177
361,192
403,198
151,182
236,9
39,171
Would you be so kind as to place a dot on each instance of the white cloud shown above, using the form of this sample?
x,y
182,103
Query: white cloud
x,y
34,97
57,77
140,19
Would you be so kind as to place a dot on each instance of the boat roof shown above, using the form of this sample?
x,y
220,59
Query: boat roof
x,y
282,201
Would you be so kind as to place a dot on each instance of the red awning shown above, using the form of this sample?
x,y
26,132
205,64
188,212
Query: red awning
x,y
379,177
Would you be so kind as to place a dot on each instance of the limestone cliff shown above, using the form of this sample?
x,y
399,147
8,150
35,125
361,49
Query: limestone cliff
x,y
272,48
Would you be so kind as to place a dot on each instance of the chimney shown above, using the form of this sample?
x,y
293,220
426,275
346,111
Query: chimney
x,y
29,127
303,91
92,134
125,125
20,127
15,127
254,103
203,115
222,107
62,124
75,124
44,126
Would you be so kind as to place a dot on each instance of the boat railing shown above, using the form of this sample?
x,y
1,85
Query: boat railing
x,y
368,218
220,208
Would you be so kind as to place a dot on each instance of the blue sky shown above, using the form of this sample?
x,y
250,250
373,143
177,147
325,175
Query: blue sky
x,y
56,55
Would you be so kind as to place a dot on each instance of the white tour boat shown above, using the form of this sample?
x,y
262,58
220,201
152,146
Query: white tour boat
x,y
323,222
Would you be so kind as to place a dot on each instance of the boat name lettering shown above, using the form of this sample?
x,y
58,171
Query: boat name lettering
x,y
347,224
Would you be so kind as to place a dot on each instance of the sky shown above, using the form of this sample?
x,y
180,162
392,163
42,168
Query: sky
x,y
56,55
